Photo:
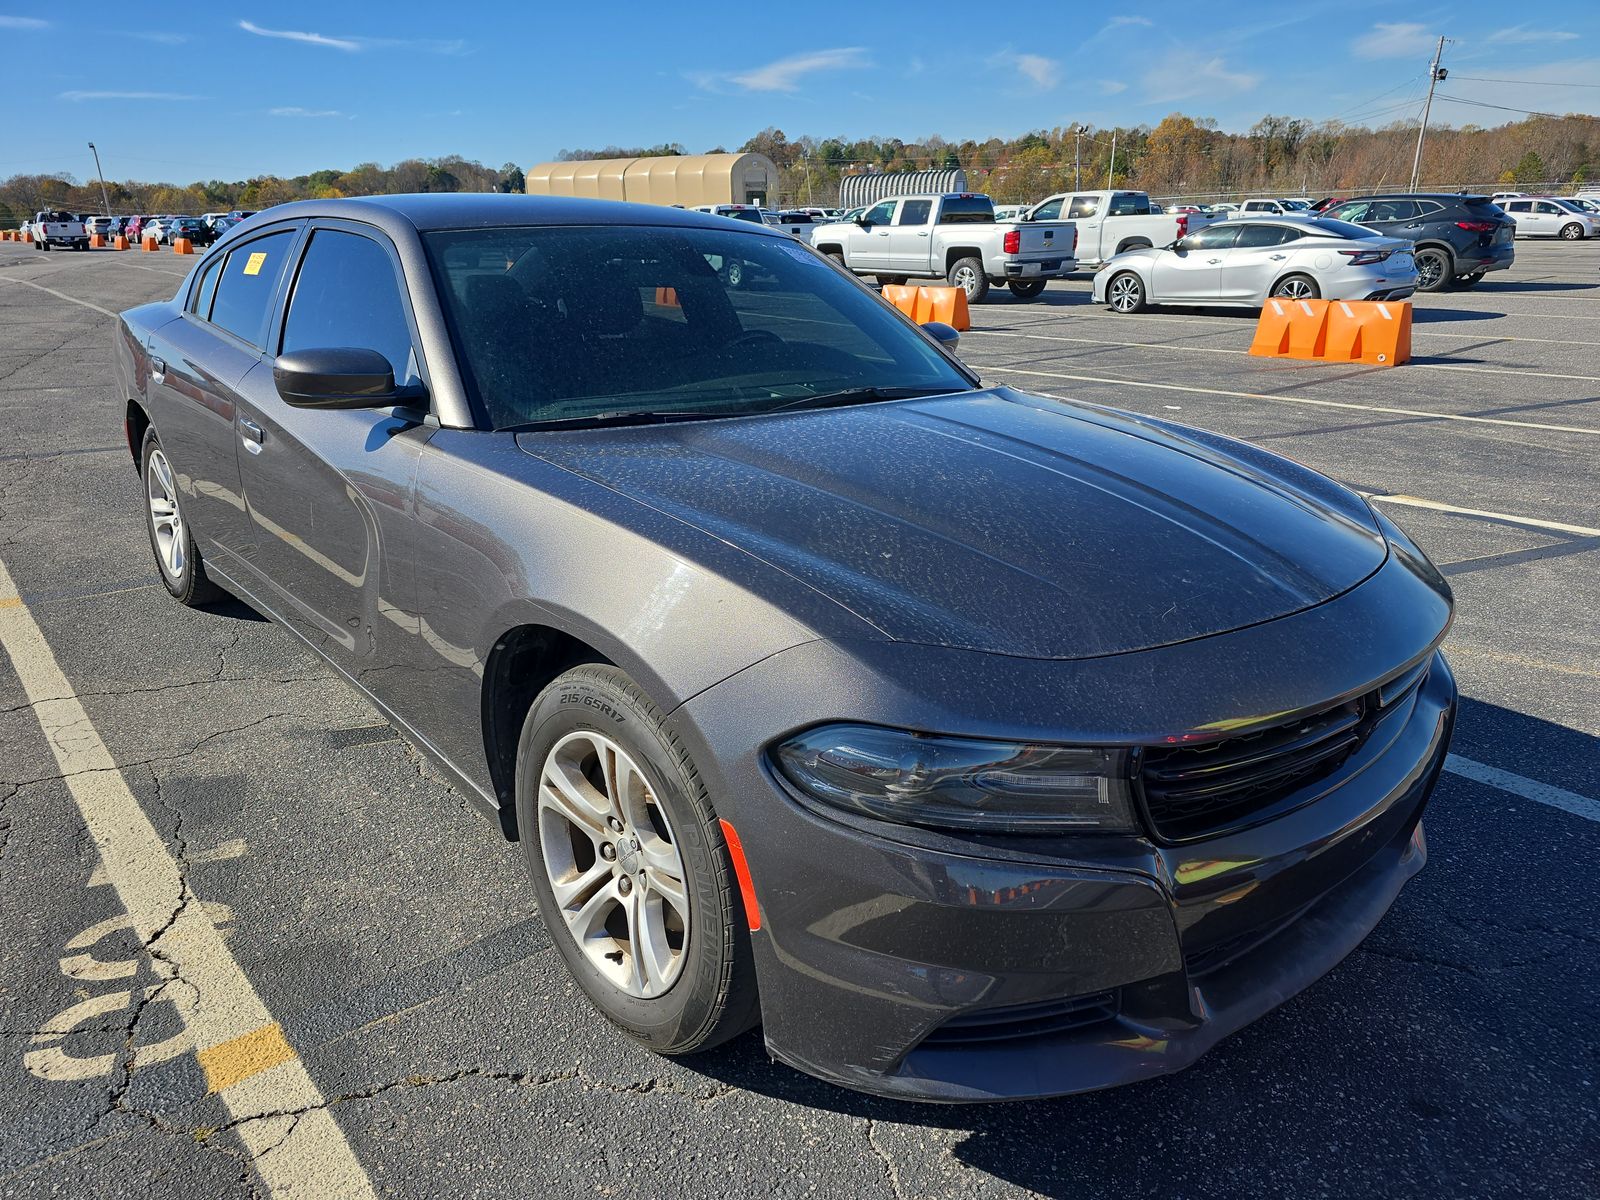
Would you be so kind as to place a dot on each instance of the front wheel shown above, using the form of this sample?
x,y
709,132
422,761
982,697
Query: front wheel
x,y
1027,289
1297,287
1125,294
1572,232
1433,270
631,866
967,274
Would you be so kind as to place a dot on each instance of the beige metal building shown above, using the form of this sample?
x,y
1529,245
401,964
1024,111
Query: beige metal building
x,y
684,179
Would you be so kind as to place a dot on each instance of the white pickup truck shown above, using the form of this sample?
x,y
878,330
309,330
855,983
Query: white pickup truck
x,y
1111,222
952,236
58,229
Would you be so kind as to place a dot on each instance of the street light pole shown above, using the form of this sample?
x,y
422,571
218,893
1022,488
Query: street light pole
x,y
1077,170
1435,74
104,199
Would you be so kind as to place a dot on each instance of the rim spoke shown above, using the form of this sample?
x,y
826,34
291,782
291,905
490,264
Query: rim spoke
x,y
669,886
561,792
578,888
652,950
588,920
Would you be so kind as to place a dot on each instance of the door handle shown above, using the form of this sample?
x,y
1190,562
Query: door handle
x,y
251,432
924,233
158,366
1277,256
1213,261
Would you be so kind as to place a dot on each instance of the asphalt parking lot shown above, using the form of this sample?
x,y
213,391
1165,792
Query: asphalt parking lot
x,y
393,939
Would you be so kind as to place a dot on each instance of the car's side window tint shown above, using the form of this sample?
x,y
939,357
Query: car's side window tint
x,y
207,289
346,296
1050,210
1084,207
1519,206
1257,236
879,214
247,283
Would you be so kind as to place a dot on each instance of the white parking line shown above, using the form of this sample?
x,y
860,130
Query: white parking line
x,y
296,1145
1377,408
1436,506
1051,337
1528,789
60,295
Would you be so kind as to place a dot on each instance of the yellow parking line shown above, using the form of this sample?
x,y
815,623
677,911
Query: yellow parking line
x,y
296,1146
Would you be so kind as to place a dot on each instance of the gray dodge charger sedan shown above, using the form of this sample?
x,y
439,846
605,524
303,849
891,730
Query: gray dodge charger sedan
x,y
977,745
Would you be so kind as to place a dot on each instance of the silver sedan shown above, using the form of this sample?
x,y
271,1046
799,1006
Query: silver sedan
x,y
1240,263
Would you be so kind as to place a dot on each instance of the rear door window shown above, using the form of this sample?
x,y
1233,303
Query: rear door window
x,y
1084,206
914,212
247,283
1257,236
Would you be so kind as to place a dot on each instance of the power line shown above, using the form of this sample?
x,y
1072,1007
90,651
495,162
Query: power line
x,y
1536,82
1527,112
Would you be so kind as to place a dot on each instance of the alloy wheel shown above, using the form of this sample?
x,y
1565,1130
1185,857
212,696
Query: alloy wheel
x,y
1126,293
1572,232
613,864
166,522
1430,269
1294,289
966,279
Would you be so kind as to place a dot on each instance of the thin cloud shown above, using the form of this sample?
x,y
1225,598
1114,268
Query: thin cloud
x,y
1182,76
1521,35
1110,87
81,96
310,39
785,74
1129,20
162,39
1044,73
23,23
294,110
1393,41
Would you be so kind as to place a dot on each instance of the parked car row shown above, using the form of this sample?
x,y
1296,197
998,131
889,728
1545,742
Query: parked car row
x,y
73,230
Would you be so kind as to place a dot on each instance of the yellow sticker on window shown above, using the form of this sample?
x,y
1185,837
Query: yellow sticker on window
x,y
252,265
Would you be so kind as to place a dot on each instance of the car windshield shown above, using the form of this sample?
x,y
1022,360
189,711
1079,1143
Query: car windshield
x,y
557,323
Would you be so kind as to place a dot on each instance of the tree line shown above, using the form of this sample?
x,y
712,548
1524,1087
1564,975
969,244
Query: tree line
x,y
1181,157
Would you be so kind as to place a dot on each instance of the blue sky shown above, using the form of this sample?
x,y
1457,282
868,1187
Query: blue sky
x,y
212,92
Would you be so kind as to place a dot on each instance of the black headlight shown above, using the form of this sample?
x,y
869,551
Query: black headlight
x,y
959,783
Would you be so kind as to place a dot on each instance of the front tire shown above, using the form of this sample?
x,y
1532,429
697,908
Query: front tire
x,y
967,274
1572,232
171,539
1125,294
1433,270
1027,289
630,865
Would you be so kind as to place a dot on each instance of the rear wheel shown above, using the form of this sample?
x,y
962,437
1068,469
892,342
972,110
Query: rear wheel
x,y
170,537
1433,269
967,274
1027,289
1297,287
1125,293
631,866
1572,232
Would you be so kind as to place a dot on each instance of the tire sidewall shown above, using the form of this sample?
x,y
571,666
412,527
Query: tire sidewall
x,y
1445,273
980,287
180,588
600,699
1316,292
1137,282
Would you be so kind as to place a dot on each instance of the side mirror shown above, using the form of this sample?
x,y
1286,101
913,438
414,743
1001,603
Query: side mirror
x,y
863,222
339,378
945,335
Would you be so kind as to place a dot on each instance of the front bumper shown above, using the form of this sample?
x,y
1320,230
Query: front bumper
x,y
918,965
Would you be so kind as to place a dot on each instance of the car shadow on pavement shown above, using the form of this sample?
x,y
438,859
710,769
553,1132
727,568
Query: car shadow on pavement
x,y
1479,977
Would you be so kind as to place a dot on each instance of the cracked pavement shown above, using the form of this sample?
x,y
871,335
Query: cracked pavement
x,y
395,938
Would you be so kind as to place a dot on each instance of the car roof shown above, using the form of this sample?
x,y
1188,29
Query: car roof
x,y
1462,197
488,210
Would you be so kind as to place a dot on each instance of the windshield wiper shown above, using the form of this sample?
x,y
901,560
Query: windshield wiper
x,y
853,395
599,420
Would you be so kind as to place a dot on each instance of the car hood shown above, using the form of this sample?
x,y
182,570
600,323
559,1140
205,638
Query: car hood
x,y
998,521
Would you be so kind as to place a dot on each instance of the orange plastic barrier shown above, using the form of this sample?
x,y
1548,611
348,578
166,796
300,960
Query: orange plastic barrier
x,y
27,235
902,296
1291,329
947,304
667,298
149,245
1375,332
182,246
96,242
120,244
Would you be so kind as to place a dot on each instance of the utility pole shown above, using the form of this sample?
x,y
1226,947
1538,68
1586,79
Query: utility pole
x,y
104,199
1077,171
1435,74
1111,167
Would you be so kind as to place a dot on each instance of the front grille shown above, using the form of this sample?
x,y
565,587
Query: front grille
x,y
1195,791
1024,1021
